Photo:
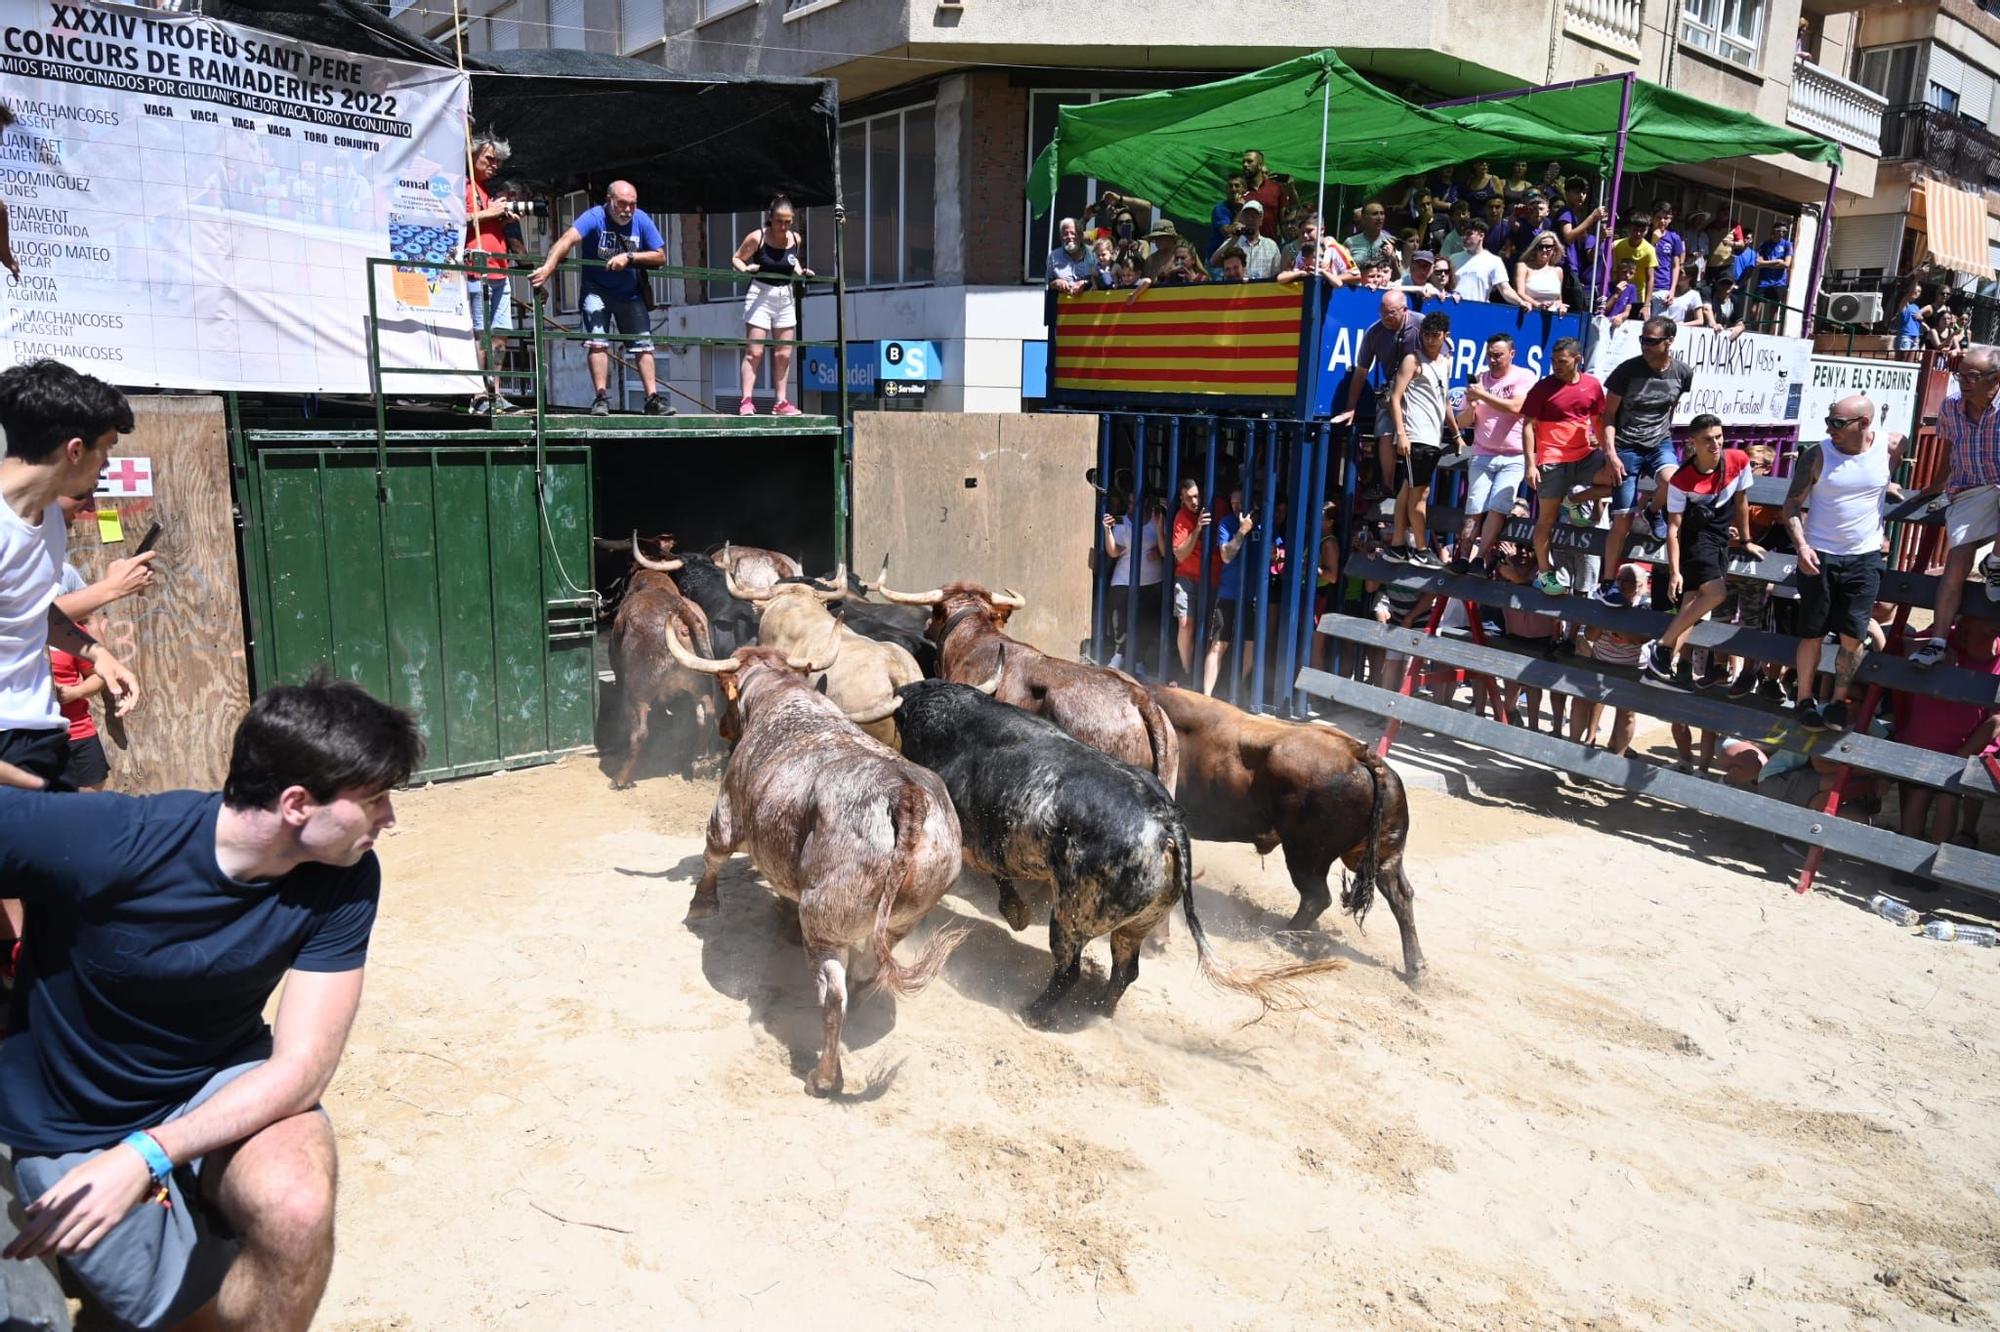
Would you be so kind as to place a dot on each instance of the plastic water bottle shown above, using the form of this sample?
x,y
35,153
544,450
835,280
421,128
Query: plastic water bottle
x,y
1945,931
1897,912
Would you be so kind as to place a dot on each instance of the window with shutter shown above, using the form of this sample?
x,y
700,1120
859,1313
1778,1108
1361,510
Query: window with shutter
x,y
641,23
566,24
503,27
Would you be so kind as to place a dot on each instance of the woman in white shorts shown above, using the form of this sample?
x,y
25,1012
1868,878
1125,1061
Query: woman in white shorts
x,y
770,309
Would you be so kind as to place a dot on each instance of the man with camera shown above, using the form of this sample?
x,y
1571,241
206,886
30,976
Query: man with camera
x,y
1260,252
617,233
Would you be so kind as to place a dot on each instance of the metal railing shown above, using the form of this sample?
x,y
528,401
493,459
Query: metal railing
x,y
1842,110
1947,143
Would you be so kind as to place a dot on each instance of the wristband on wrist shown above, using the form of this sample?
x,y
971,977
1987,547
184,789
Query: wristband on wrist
x,y
158,1164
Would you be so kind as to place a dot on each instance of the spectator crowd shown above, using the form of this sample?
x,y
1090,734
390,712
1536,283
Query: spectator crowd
x,y
1536,241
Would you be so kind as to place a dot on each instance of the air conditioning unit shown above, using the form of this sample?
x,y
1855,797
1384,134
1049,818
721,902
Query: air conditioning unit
x,y
1851,307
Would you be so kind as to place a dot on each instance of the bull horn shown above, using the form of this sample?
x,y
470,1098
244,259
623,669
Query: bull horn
x,y
662,566
686,657
742,593
991,684
811,667
839,581
936,594
880,712
1007,596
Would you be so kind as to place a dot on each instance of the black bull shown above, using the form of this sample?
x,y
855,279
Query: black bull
x,y
1034,803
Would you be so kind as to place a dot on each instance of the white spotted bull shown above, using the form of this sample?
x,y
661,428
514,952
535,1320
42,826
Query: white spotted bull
x,y
864,674
864,841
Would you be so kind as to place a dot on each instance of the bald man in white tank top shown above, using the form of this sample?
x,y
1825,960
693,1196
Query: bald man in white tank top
x,y
1839,542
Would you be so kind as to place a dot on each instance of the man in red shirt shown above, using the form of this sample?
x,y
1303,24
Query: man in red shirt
x,y
1560,421
1266,189
1706,496
1190,527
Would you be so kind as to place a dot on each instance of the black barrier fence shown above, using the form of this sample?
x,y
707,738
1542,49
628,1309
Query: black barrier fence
x,y
1262,633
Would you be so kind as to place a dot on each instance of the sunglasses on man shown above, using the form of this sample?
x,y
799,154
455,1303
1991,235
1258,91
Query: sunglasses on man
x,y
1842,422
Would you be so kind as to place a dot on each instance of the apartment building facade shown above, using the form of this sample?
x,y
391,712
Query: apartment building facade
x,y
946,102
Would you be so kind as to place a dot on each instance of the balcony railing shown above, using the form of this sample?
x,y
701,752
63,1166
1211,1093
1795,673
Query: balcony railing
x,y
1613,22
1948,144
1845,112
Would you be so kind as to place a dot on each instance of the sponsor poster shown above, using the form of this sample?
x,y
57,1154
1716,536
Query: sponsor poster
x,y
1751,379
1891,385
193,203
1352,311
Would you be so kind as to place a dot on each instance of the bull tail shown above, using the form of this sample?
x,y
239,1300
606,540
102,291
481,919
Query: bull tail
x,y
1274,990
1160,735
1357,894
907,816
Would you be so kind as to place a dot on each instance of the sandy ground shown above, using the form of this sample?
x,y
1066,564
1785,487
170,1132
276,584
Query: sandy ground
x,y
1645,1087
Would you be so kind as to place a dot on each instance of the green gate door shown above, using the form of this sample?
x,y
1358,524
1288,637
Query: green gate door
x,y
456,598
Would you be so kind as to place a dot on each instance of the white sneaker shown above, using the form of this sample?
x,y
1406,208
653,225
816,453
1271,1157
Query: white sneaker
x,y
1929,653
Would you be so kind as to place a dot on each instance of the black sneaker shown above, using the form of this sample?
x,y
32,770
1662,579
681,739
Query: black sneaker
x,y
1396,554
1835,715
601,407
1656,526
1684,673
1770,691
658,406
482,406
1744,685
1716,676
1807,717
1655,667
1460,566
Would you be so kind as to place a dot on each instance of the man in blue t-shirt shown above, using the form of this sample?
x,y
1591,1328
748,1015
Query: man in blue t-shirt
x,y
623,240
167,1143
1232,532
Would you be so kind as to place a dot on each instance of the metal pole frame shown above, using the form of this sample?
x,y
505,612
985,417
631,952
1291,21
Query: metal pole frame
x,y
843,450
1103,563
1611,220
1135,548
1820,243
1169,631
1265,546
1301,558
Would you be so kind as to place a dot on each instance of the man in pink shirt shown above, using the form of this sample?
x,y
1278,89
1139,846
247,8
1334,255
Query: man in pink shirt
x,y
1495,468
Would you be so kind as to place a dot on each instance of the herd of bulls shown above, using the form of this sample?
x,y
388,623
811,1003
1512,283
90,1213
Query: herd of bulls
x,y
875,750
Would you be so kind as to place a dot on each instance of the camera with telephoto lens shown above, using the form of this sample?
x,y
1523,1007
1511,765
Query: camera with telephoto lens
x,y
525,207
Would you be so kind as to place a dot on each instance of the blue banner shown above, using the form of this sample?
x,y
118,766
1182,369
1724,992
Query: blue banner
x,y
1352,310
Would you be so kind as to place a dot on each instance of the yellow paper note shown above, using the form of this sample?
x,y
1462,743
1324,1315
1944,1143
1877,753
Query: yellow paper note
x,y
108,528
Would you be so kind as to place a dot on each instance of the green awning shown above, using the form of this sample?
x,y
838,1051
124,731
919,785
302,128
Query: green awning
x,y
1177,147
1667,128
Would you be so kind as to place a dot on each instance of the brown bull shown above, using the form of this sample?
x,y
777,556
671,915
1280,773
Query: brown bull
x,y
863,840
648,675
1314,790
1106,709
754,568
864,675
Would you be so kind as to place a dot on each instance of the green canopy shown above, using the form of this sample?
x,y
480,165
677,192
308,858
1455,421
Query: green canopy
x,y
1177,147
1667,128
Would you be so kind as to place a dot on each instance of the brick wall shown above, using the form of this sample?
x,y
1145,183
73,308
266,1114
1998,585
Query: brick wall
x,y
996,165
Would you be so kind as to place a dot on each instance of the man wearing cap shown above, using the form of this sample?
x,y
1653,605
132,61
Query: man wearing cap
x,y
1260,252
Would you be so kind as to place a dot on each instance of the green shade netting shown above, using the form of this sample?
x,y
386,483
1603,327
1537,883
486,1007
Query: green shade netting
x,y
1177,147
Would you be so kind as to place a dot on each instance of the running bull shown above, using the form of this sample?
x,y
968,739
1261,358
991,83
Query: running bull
x,y
649,613
1036,804
1314,790
864,841
864,674
1106,709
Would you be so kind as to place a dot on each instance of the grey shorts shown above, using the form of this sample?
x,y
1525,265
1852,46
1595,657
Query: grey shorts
x,y
1554,481
160,1264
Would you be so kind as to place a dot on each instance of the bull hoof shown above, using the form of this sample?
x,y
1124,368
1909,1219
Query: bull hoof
x,y
1414,976
817,1085
622,786
1039,1016
701,908
1013,910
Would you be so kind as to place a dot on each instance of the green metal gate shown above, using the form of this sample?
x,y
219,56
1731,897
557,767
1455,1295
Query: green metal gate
x,y
452,592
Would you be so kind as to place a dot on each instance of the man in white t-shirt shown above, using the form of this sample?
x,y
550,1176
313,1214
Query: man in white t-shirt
x,y
1129,653
1480,272
60,427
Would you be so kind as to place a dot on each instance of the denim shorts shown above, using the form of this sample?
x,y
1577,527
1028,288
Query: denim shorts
x,y
1646,463
619,316
1493,482
490,306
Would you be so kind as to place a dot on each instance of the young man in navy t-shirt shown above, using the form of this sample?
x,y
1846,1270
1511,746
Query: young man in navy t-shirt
x,y
625,240
167,1143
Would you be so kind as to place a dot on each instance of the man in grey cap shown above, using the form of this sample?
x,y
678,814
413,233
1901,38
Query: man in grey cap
x,y
1246,233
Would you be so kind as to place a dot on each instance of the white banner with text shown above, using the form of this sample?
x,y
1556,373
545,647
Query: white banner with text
x,y
1751,379
193,204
